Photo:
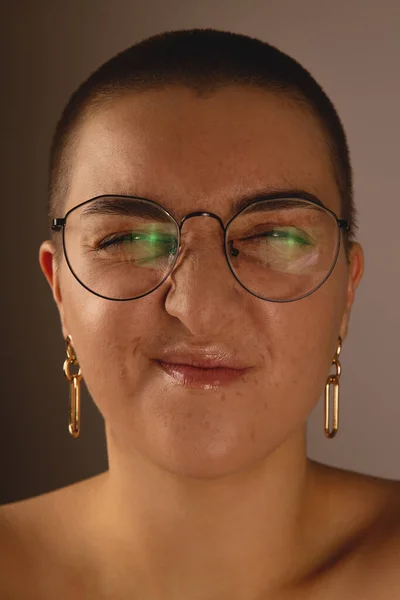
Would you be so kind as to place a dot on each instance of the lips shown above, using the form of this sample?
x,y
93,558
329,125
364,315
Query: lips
x,y
199,377
204,363
206,368
210,358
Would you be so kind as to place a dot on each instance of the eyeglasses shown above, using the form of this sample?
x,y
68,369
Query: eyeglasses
x,y
279,249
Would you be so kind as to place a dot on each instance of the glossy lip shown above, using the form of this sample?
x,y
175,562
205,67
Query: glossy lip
x,y
200,377
206,357
202,367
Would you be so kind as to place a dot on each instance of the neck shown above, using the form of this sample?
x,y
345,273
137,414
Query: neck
x,y
230,537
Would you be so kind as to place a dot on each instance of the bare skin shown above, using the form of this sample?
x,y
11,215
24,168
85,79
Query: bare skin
x,y
350,548
209,494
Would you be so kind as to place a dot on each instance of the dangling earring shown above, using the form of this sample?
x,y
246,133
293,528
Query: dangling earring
x,y
74,390
333,380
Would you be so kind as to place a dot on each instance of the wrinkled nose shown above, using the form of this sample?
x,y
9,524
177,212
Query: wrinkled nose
x,y
203,293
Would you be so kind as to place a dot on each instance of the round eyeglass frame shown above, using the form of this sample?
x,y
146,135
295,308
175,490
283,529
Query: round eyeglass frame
x,y
58,224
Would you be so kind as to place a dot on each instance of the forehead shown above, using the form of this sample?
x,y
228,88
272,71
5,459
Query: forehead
x,y
201,153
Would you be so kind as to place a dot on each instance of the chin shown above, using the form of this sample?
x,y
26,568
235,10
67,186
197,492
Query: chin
x,y
204,456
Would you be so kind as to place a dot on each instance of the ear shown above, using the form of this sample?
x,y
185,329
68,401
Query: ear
x,y
355,272
50,266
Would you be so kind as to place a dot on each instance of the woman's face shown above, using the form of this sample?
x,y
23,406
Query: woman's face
x,y
203,154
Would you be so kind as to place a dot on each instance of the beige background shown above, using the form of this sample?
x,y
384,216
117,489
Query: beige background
x,y
353,50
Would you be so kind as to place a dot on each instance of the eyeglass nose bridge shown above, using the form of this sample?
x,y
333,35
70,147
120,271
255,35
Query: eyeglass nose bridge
x,y
233,251
202,214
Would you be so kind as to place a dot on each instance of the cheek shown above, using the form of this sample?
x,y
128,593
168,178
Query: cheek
x,y
107,336
305,336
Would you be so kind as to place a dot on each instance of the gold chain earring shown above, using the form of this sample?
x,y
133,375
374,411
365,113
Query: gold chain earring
x,y
74,390
333,380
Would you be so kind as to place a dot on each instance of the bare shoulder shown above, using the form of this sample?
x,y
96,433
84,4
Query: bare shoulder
x,y
47,507
37,528
379,550
372,502
365,520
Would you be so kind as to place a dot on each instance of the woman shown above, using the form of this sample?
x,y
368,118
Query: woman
x,y
204,265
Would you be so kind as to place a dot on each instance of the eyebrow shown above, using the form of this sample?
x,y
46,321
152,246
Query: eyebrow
x,y
120,204
126,205
292,194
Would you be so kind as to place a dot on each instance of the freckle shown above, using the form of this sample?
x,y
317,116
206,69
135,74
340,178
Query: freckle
x,y
190,414
207,425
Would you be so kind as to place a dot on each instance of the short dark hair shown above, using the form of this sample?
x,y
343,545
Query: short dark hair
x,y
203,60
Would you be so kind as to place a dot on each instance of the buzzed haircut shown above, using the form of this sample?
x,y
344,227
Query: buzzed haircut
x,y
204,60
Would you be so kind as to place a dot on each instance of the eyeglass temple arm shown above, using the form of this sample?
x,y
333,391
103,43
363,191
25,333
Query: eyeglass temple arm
x,y
57,224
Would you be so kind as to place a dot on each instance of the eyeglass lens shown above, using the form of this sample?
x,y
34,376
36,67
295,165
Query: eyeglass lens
x,y
124,248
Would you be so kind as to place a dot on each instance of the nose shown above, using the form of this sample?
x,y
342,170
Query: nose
x,y
203,294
